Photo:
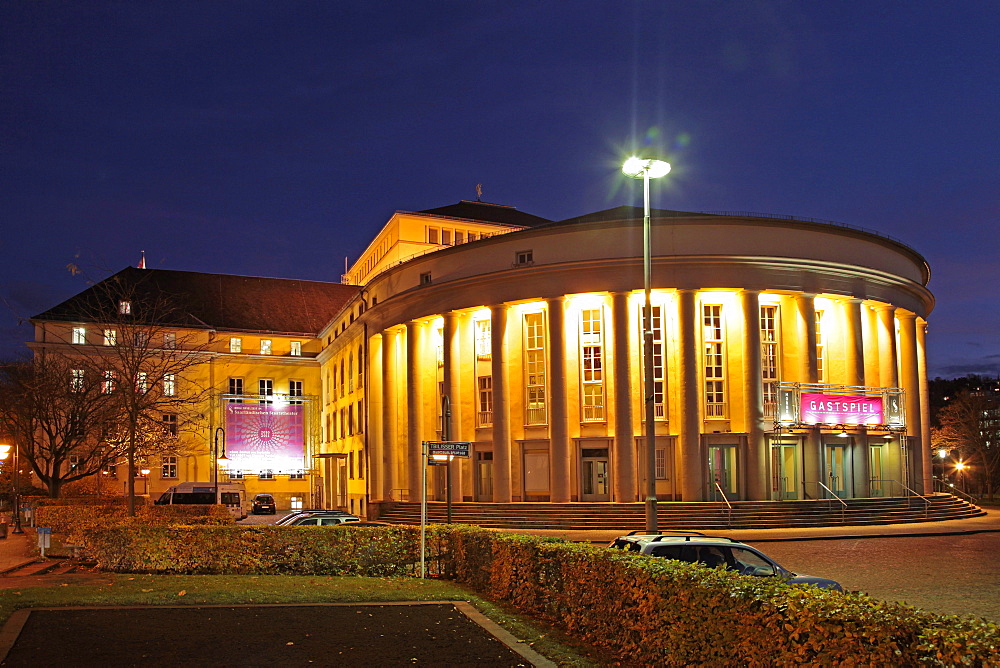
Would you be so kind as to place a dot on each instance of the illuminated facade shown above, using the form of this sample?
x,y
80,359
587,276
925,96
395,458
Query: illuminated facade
x,y
789,360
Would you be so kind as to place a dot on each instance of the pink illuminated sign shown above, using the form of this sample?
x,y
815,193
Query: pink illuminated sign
x,y
840,409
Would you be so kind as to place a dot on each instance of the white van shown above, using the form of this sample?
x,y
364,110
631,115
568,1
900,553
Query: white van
x,y
232,495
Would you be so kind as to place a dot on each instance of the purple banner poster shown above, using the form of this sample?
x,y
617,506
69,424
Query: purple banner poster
x,y
840,409
265,437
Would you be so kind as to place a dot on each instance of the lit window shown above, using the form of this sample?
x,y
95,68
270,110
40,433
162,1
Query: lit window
x,y
235,344
111,337
79,335
141,339
592,365
169,466
108,384
661,464
76,380
169,385
769,358
296,503
265,346
484,417
141,382
715,380
820,349
296,349
659,411
124,307
170,427
294,390
484,344
265,388
169,340
236,387
534,367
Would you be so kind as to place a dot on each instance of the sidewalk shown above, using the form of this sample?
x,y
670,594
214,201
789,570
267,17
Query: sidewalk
x,y
17,550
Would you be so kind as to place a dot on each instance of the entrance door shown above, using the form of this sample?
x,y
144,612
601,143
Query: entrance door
x,y
594,465
722,470
836,470
784,472
875,467
484,476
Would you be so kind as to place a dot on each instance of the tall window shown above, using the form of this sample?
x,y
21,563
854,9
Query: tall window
x,y
169,466
659,375
236,387
108,384
235,344
294,390
820,349
111,337
361,366
714,346
76,380
169,340
592,364
350,372
484,344
769,358
534,367
169,385
124,307
265,388
265,346
141,339
296,349
170,424
343,380
79,335
484,416
142,382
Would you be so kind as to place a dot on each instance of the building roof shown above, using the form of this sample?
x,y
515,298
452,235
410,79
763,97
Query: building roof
x,y
486,212
214,301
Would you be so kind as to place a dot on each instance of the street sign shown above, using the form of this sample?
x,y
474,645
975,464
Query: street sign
x,y
453,448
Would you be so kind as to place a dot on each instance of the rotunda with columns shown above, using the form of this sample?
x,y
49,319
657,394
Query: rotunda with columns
x,y
788,360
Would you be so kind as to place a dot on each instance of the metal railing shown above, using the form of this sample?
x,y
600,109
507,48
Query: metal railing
x,y
833,496
909,493
729,506
949,488
399,495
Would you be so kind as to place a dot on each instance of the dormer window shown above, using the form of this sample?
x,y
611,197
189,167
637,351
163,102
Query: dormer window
x,y
524,258
425,279
265,346
124,307
79,335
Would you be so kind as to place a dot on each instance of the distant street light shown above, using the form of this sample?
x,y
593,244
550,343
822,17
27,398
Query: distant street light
x,y
960,466
219,460
646,169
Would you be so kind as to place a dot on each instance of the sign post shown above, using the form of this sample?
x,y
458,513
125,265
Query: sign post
x,y
435,453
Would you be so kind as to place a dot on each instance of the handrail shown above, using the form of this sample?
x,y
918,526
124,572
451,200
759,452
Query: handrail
x,y
833,495
949,488
404,495
927,502
729,518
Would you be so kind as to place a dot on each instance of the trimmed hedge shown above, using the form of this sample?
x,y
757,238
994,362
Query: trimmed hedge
x,y
72,521
643,611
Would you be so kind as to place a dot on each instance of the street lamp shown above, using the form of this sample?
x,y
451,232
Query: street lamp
x,y
646,169
219,459
15,473
960,466
942,453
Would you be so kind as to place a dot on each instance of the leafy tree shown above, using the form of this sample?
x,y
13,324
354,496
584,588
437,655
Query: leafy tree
x,y
970,423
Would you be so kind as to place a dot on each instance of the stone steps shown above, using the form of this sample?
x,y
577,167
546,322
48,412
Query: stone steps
x,y
680,515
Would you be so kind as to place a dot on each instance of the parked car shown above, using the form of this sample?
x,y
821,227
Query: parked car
x,y
318,519
365,523
289,518
263,504
715,552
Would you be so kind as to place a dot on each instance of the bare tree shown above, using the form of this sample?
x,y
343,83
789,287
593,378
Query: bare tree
x,y
969,424
57,415
149,350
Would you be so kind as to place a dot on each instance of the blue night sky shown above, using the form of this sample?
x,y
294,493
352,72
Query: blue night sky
x,y
276,138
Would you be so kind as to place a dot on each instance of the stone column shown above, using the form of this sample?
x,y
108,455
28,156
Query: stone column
x,y
854,343
689,436
909,375
390,417
414,410
501,406
452,382
925,406
375,437
753,393
888,355
624,460
807,321
559,445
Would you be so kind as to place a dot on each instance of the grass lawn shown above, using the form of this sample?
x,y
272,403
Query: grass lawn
x,y
119,589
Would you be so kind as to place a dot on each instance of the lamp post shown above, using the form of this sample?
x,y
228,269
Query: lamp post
x,y
646,169
218,459
942,453
16,496
960,466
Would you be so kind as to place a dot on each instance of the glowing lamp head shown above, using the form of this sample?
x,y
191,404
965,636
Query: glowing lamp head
x,y
4,451
942,453
638,168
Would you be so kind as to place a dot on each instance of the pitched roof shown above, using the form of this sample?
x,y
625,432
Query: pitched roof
x,y
486,212
215,301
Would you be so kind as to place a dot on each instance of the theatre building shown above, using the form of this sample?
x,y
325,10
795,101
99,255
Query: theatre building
x,y
788,360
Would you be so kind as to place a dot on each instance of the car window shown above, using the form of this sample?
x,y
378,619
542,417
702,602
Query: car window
x,y
711,556
748,562
311,521
327,521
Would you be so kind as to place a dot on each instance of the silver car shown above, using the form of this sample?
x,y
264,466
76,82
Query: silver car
x,y
716,552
